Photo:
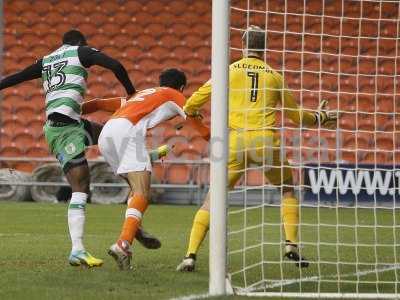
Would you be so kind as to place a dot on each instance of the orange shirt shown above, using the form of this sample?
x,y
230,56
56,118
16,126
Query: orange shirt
x,y
147,101
151,106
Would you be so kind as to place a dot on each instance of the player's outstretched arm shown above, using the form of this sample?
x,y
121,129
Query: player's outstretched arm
x,y
294,112
198,99
90,56
32,72
109,105
322,117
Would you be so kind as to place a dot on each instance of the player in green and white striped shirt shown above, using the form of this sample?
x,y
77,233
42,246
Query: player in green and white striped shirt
x,y
64,76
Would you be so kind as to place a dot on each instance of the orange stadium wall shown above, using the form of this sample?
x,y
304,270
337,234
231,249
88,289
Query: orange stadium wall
x,y
148,36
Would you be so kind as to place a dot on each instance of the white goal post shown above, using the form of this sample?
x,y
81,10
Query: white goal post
x,y
347,179
219,145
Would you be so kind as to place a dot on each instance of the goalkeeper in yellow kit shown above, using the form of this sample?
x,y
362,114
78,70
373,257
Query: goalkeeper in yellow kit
x,y
255,91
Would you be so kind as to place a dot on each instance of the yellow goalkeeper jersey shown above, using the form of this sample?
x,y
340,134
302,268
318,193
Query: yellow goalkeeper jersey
x,y
255,92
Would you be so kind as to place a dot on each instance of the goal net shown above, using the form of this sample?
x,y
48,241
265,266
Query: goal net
x,y
347,179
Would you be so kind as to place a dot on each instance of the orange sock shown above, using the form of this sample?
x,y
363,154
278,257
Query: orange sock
x,y
133,217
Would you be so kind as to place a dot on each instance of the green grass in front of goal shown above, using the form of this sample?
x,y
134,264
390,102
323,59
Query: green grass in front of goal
x,y
34,246
354,245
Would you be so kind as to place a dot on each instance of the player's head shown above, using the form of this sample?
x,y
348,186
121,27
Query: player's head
x,y
173,78
253,40
74,38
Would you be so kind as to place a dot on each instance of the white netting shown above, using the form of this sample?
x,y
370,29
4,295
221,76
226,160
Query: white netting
x,y
347,179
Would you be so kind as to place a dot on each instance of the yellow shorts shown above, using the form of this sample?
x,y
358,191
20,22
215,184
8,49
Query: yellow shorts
x,y
256,148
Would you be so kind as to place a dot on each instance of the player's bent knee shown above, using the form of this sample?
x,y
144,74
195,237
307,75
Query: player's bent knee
x,y
288,188
145,195
81,184
286,185
140,190
140,182
206,203
288,192
78,175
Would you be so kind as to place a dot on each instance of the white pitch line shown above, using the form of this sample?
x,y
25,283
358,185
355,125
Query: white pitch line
x,y
192,297
316,278
14,234
294,281
36,234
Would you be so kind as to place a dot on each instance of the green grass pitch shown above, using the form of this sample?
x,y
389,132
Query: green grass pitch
x,y
337,265
34,246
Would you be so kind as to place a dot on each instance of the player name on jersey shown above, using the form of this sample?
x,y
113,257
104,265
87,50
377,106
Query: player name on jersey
x,y
250,67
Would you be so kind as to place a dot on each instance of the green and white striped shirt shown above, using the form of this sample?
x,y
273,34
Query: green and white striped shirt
x,y
64,82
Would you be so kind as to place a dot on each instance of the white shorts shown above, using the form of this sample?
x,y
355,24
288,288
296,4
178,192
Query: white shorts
x,y
123,146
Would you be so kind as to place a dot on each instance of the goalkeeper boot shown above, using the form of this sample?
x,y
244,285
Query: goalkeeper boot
x,y
122,254
147,240
293,255
84,258
188,263
159,153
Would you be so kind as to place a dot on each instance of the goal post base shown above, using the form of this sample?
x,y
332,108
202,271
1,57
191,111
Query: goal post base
x,y
320,295
229,288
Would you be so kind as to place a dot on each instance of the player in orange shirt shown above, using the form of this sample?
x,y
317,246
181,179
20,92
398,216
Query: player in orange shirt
x,y
122,143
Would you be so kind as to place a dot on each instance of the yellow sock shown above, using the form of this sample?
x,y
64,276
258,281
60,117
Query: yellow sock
x,y
200,227
290,217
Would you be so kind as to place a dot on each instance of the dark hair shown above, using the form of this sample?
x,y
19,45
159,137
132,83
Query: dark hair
x,y
74,38
254,38
172,78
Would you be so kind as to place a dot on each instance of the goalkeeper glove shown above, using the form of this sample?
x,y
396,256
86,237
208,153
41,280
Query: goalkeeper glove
x,y
196,115
193,113
324,117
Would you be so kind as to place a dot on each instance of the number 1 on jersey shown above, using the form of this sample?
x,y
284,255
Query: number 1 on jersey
x,y
254,86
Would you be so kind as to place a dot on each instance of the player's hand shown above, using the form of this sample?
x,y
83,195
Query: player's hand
x,y
326,118
195,115
180,125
